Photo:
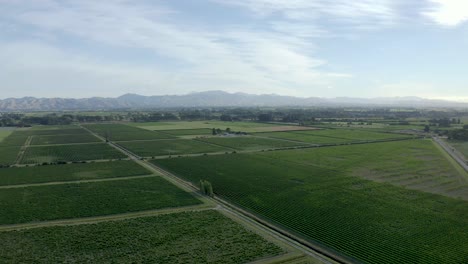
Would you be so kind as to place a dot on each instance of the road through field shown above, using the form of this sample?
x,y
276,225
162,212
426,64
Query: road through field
x,y
234,212
452,152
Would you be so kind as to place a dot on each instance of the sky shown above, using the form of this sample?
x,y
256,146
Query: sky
x,y
306,48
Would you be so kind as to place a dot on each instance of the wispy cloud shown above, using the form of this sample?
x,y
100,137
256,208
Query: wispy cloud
x,y
277,48
448,12
237,59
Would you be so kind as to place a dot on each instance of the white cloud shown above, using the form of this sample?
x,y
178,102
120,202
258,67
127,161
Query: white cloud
x,y
359,12
232,59
448,12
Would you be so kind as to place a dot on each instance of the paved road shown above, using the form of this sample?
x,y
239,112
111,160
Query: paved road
x,y
452,152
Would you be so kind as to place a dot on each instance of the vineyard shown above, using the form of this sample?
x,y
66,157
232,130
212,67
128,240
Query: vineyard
x,y
234,126
461,146
119,132
188,132
333,136
172,238
96,151
64,139
70,172
169,147
8,155
249,143
39,203
331,207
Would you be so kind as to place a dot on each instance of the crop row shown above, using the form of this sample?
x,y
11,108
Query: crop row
x,y
97,151
40,203
368,221
119,132
192,237
169,147
64,139
70,172
250,143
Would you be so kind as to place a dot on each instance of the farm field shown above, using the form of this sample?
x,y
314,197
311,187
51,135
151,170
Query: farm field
x,y
120,132
8,154
333,136
70,172
250,143
17,138
169,147
306,138
64,139
322,195
172,238
75,130
53,127
82,152
4,133
188,132
413,164
39,203
234,126
461,146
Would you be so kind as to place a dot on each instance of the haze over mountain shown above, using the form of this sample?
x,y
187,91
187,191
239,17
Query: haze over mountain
x,y
209,99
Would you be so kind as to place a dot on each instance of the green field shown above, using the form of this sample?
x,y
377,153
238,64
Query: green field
x,y
4,133
39,203
234,126
413,164
169,147
52,132
70,172
315,194
17,138
192,237
249,143
188,132
51,127
307,138
461,146
8,155
64,139
333,136
97,151
120,132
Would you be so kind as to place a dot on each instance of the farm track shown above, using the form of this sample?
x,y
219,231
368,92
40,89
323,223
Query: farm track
x,y
104,218
27,143
76,182
241,215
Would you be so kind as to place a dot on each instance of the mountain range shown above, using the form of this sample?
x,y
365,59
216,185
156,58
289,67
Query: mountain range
x,y
213,99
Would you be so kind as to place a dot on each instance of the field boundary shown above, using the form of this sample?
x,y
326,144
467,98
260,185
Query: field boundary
x,y
105,218
76,182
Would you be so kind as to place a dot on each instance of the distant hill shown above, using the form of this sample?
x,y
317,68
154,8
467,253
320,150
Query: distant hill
x,y
210,99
